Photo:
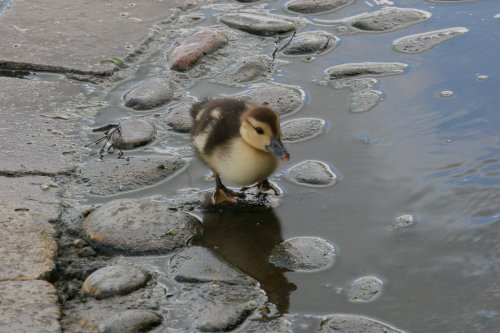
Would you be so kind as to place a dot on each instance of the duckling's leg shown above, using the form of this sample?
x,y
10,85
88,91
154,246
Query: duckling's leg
x,y
222,193
262,187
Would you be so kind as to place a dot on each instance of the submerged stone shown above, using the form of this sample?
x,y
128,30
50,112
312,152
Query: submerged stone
x,y
114,175
136,227
427,40
403,221
303,254
365,289
198,265
258,24
179,117
135,133
248,70
388,19
316,6
347,323
362,101
114,280
195,47
302,129
150,94
311,42
312,173
130,321
352,70
283,98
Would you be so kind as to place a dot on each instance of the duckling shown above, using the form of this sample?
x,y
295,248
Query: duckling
x,y
240,142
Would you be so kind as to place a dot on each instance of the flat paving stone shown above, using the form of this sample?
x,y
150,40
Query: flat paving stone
x,y
195,47
247,70
358,69
316,6
178,117
29,306
312,173
136,227
365,289
59,38
197,264
347,323
301,129
261,24
424,41
39,127
135,133
114,280
388,19
151,93
283,98
131,321
311,42
28,241
113,175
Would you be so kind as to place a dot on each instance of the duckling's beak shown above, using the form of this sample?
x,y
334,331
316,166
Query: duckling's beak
x,y
277,149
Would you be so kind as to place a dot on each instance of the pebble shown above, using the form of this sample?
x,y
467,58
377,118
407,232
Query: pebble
x,y
114,280
151,93
195,47
311,42
131,321
261,24
351,70
179,117
303,254
312,173
425,41
446,93
136,227
388,19
283,98
365,289
347,323
481,77
114,175
135,133
316,6
248,70
403,221
301,129
199,265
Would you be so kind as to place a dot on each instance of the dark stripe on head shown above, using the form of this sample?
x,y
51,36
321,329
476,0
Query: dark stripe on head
x,y
267,116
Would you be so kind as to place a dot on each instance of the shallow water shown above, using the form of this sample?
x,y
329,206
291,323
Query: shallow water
x,y
416,152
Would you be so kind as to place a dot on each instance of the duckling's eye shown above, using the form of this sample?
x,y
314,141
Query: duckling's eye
x,y
259,130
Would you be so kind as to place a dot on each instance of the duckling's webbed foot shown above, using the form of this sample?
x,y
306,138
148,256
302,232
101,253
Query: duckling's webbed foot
x,y
222,193
265,186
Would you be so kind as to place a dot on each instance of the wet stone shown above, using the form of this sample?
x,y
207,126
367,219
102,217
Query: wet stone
x,y
135,133
113,175
29,306
346,323
179,118
249,203
198,265
283,98
131,321
316,6
302,129
303,254
365,289
114,280
151,93
195,47
354,70
425,41
280,324
403,221
388,19
311,42
258,23
363,101
247,70
312,173
137,227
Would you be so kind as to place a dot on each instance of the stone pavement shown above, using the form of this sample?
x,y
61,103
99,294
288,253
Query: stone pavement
x,y
40,131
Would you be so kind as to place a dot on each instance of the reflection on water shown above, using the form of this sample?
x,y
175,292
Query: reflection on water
x,y
246,240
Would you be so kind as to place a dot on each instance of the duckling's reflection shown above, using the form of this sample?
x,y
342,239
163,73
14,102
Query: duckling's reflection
x,y
245,239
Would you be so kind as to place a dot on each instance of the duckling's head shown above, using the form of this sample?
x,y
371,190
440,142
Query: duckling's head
x,y
260,128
